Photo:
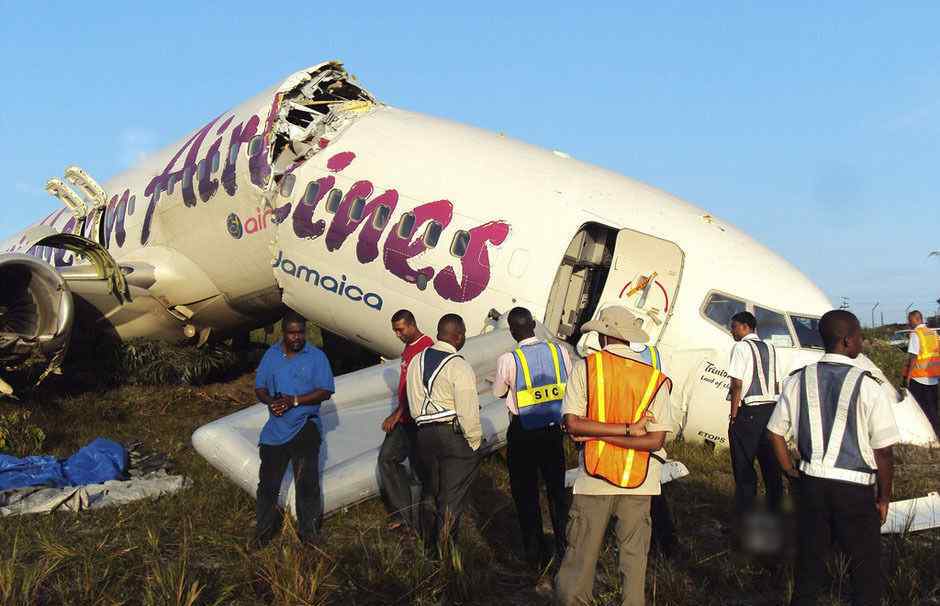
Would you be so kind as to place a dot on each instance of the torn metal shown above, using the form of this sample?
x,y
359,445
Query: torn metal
x,y
104,266
313,107
37,310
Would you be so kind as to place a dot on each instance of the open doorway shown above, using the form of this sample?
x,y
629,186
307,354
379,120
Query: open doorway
x,y
580,280
605,266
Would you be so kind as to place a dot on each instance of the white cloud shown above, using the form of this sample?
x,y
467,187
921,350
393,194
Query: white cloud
x,y
134,144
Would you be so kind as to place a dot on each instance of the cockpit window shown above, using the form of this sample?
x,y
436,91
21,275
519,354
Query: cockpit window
x,y
772,327
807,331
719,308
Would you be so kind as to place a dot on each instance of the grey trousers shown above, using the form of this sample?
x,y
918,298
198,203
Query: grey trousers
x,y
587,525
394,477
448,468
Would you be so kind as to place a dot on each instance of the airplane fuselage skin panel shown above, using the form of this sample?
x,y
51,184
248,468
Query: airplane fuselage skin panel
x,y
381,208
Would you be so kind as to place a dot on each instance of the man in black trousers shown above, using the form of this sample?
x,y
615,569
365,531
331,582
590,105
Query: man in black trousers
x,y
531,379
754,390
843,425
293,379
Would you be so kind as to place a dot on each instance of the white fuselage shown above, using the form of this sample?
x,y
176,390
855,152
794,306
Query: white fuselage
x,y
220,256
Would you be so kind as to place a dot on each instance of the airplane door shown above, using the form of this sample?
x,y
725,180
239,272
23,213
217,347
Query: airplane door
x,y
644,277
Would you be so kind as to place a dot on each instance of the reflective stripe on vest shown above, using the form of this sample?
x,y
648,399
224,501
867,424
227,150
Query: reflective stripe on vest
x,y
765,387
651,357
431,412
927,363
534,395
829,406
619,391
540,385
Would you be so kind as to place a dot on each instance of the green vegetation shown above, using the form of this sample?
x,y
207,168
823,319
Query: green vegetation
x,y
17,435
887,357
190,548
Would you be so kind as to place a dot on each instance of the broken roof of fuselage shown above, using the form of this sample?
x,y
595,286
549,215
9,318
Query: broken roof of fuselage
x,y
314,106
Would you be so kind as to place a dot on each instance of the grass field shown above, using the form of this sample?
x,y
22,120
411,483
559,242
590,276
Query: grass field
x,y
190,548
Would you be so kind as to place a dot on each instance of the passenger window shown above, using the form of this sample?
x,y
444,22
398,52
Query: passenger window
x,y
406,225
188,173
433,234
131,204
719,308
287,184
171,185
807,331
358,209
254,145
310,194
215,161
232,154
201,170
458,247
333,199
772,327
380,220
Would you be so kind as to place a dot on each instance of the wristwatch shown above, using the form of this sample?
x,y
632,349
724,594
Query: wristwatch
x,y
296,403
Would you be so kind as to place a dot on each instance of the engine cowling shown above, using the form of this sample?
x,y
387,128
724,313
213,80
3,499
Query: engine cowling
x,y
36,310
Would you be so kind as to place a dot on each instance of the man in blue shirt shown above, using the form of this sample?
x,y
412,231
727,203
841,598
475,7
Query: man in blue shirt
x,y
293,379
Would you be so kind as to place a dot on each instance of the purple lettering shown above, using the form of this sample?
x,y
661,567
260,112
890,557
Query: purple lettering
x,y
475,264
304,225
207,185
398,250
242,133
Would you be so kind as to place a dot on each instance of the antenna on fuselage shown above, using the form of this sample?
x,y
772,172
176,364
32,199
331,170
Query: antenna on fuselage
x,y
88,186
68,197
95,196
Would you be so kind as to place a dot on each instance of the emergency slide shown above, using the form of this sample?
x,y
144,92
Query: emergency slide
x,y
352,428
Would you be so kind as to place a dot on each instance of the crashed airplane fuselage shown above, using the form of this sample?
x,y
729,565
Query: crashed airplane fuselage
x,y
316,195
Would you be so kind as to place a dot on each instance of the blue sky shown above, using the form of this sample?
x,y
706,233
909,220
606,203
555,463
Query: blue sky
x,y
814,128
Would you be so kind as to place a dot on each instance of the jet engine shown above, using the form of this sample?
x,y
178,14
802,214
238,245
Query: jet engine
x,y
36,312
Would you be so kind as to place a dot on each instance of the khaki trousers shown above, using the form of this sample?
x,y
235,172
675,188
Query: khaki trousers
x,y
587,525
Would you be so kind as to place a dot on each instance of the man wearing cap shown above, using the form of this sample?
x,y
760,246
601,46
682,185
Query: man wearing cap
x,y
618,406
532,380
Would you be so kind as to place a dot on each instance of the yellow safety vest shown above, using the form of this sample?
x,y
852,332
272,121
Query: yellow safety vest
x,y
927,363
542,394
619,391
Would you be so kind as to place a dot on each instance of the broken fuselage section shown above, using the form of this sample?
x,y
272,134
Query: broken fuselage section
x,y
151,253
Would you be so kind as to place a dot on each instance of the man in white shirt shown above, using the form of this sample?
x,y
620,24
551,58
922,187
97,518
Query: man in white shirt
x,y
754,390
843,425
923,367
532,378
442,398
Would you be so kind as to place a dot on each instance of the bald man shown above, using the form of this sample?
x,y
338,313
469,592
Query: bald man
x,y
442,398
843,426
923,367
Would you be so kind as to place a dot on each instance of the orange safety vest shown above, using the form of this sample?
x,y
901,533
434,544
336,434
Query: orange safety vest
x,y
927,363
620,390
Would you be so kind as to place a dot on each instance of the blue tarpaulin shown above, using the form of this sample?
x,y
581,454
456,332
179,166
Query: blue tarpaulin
x,y
98,462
